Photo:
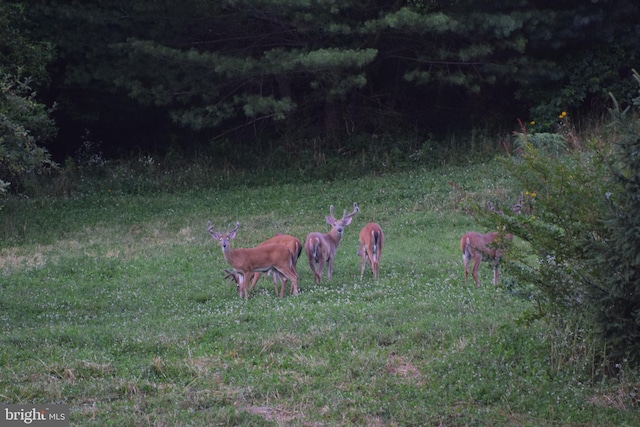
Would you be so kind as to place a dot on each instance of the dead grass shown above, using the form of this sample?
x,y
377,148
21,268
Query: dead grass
x,y
16,258
399,366
96,242
623,397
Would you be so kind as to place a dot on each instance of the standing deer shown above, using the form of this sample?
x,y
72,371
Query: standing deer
x,y
370,249
477,246
321,248
262,259
290,242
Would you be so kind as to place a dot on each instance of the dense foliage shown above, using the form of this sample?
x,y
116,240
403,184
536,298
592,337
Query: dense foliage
x,y
617,296
577,217
24,122
312,73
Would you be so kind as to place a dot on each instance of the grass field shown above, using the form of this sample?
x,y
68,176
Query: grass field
x,y
115,303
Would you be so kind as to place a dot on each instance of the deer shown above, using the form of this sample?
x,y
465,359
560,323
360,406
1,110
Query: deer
x,y
477,246
321,247
370,248
262,259
293,244
234,276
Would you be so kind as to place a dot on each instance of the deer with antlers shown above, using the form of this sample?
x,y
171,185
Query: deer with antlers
x,y
370,248
261,259
476,246
321,247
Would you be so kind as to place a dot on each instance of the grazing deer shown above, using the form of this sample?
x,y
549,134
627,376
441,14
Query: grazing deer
x,y
262,259
370,249
477,246
321,248
235,277
294,245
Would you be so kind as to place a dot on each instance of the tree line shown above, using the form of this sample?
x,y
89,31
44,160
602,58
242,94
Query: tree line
x,y
234,74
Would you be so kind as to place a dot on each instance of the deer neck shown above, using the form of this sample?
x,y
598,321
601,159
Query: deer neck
x,y
334,238
230,255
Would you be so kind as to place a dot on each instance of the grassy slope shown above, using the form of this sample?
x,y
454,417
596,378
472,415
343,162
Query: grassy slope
x,y
116,304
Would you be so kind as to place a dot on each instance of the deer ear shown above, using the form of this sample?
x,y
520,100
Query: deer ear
x,y
330,220
347,220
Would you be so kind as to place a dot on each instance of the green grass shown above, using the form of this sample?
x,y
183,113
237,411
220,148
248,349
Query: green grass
x,y
115,303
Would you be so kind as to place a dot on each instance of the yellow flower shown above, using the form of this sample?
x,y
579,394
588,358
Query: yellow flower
x,y
532,122
562,115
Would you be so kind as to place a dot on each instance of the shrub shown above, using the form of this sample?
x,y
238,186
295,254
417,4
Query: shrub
x,y
562,192
616,296
579,226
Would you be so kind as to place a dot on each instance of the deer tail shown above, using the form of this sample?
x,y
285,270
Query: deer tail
x,y
466,252
375,237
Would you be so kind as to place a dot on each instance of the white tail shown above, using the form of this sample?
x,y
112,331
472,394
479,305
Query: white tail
x,y
476,246
262,259
321,248
370,249
295,247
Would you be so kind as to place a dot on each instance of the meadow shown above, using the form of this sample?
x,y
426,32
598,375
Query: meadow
x,y
114,302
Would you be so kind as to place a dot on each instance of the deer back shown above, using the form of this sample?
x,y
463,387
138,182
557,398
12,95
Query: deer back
x,y
290,242
261,258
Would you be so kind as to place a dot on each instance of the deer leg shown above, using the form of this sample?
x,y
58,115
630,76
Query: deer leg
x,y
274,275
363,253
477,259
375,265
312,264
254,279
294,283
318,272
242,283
466,260
292,276
329,268
283,281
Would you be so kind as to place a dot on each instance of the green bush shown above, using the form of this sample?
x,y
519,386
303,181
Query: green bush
x,y
578,252
562,195
616,296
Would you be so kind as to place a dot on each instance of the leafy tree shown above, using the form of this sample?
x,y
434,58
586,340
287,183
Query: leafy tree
x,y
24,122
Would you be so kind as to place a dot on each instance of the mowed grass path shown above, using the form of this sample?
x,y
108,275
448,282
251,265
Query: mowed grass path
x,y
116,304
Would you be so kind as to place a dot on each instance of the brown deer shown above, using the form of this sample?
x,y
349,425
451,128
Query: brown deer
x,y
294,245
370,249
321,248
477,246
262,259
